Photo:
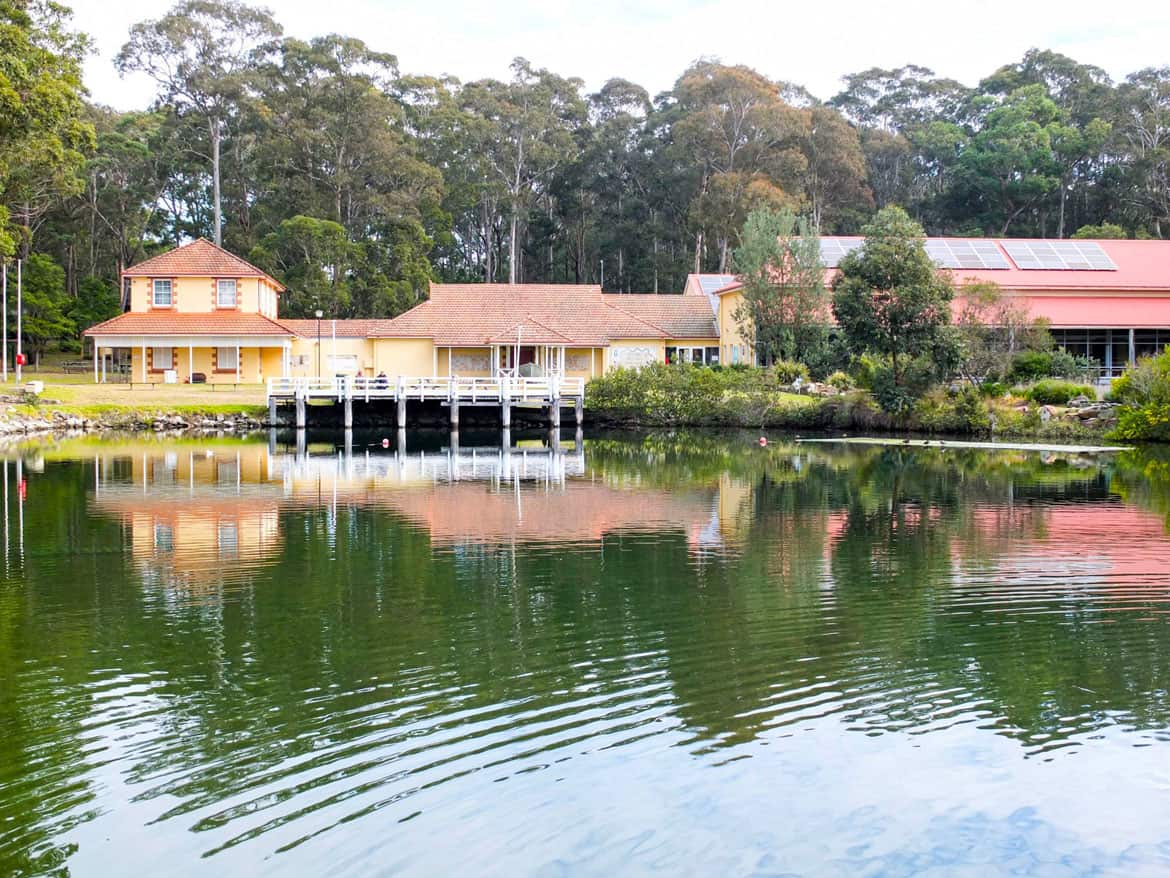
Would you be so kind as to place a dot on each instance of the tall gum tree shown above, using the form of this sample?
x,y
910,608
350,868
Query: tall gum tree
x,y
202,54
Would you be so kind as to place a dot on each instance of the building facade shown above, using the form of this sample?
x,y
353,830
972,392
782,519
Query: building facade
x,y
1108,300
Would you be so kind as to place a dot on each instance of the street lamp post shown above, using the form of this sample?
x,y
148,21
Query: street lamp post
x,y
319,314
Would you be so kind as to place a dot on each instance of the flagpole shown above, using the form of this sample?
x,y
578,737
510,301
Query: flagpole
x,y
4,319
19,288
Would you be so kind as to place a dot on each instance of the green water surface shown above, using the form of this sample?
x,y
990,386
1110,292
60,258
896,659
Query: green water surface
x,y
676,654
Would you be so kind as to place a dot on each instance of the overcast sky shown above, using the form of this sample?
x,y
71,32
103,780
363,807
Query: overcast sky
x,y
652,41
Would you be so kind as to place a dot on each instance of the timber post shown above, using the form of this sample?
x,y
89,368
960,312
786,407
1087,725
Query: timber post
x,y
301,414
554,403
401,404
348,404
272,411
505,405
453,406
579,411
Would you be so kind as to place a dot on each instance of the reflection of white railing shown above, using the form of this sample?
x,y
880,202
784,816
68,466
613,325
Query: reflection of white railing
x,y
455,388
467,464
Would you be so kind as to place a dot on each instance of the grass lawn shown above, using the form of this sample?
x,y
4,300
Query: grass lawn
x,y
79,395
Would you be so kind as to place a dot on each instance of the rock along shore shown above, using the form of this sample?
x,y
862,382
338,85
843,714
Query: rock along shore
x,y
13,423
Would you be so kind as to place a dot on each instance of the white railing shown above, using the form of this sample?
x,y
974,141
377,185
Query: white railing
x,y
457,388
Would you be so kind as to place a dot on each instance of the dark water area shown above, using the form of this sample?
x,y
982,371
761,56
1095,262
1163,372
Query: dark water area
x,y
676,654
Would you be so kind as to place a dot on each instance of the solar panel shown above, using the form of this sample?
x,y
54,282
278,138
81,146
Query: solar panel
x,y
1059,255
833,250
709,283
965,253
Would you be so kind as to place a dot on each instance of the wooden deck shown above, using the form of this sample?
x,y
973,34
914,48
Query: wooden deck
x,y
552,393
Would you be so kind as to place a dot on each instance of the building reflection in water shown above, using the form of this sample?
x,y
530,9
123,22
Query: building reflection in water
x,y
195,513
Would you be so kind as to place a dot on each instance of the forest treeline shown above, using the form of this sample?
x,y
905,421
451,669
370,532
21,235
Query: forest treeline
x,y
356,183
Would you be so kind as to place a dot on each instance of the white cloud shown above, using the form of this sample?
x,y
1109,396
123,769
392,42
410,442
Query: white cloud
x,y
651,42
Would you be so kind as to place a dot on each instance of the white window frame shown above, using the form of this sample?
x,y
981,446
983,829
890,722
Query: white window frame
x,y
220,286
156,361
155,290
233,358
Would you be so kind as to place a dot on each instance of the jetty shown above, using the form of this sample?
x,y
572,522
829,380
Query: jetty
x,y
550,395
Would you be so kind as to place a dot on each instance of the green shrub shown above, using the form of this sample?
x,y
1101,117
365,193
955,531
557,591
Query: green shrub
x,y
964,413
787,371
69,346
993,388
1147,423
1053,391
1066,365
840,381
1030,366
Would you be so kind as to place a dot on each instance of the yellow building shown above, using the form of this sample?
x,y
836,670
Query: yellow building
x,y
199,314
196,314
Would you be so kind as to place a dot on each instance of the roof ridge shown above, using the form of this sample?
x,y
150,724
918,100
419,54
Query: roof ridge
x,y
649,323
138,266
544,325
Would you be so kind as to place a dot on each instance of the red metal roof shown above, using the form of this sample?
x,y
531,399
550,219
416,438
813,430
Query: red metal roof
x,y
200,258
1142,266
163,323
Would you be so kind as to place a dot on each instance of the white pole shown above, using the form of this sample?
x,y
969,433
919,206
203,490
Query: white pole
x,y
4,330
19,288
333,352
237,364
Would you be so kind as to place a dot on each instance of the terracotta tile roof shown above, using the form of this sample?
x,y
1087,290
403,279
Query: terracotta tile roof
x,y
676,316
164,323
568,314
200,258
307,328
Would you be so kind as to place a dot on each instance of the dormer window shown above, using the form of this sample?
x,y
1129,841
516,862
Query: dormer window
x,y
225,296
162,294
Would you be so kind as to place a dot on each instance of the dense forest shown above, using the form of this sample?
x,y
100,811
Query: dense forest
x,y
356,183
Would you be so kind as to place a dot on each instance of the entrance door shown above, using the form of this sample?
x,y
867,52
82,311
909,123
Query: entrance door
x,y
527,355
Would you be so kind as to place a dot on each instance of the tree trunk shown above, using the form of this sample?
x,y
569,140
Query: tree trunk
x,y
213,126
512,248
1063,199
698,250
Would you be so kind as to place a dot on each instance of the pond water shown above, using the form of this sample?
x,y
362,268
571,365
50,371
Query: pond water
x,y
678,654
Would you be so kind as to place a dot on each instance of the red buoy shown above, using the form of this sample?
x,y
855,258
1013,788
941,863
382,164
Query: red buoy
x,y
385,443
763,441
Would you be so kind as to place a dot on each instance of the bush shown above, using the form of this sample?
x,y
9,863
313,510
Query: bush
x,y
1056,392
787,371
993,388
840,381
1147,423
964,412
1030,366
918,376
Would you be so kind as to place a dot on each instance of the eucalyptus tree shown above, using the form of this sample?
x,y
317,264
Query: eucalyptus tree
x,y
523,129
44,136
745,143
203,54
1145,131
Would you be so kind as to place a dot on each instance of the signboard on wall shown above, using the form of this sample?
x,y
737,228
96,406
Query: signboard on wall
x,y
633,357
